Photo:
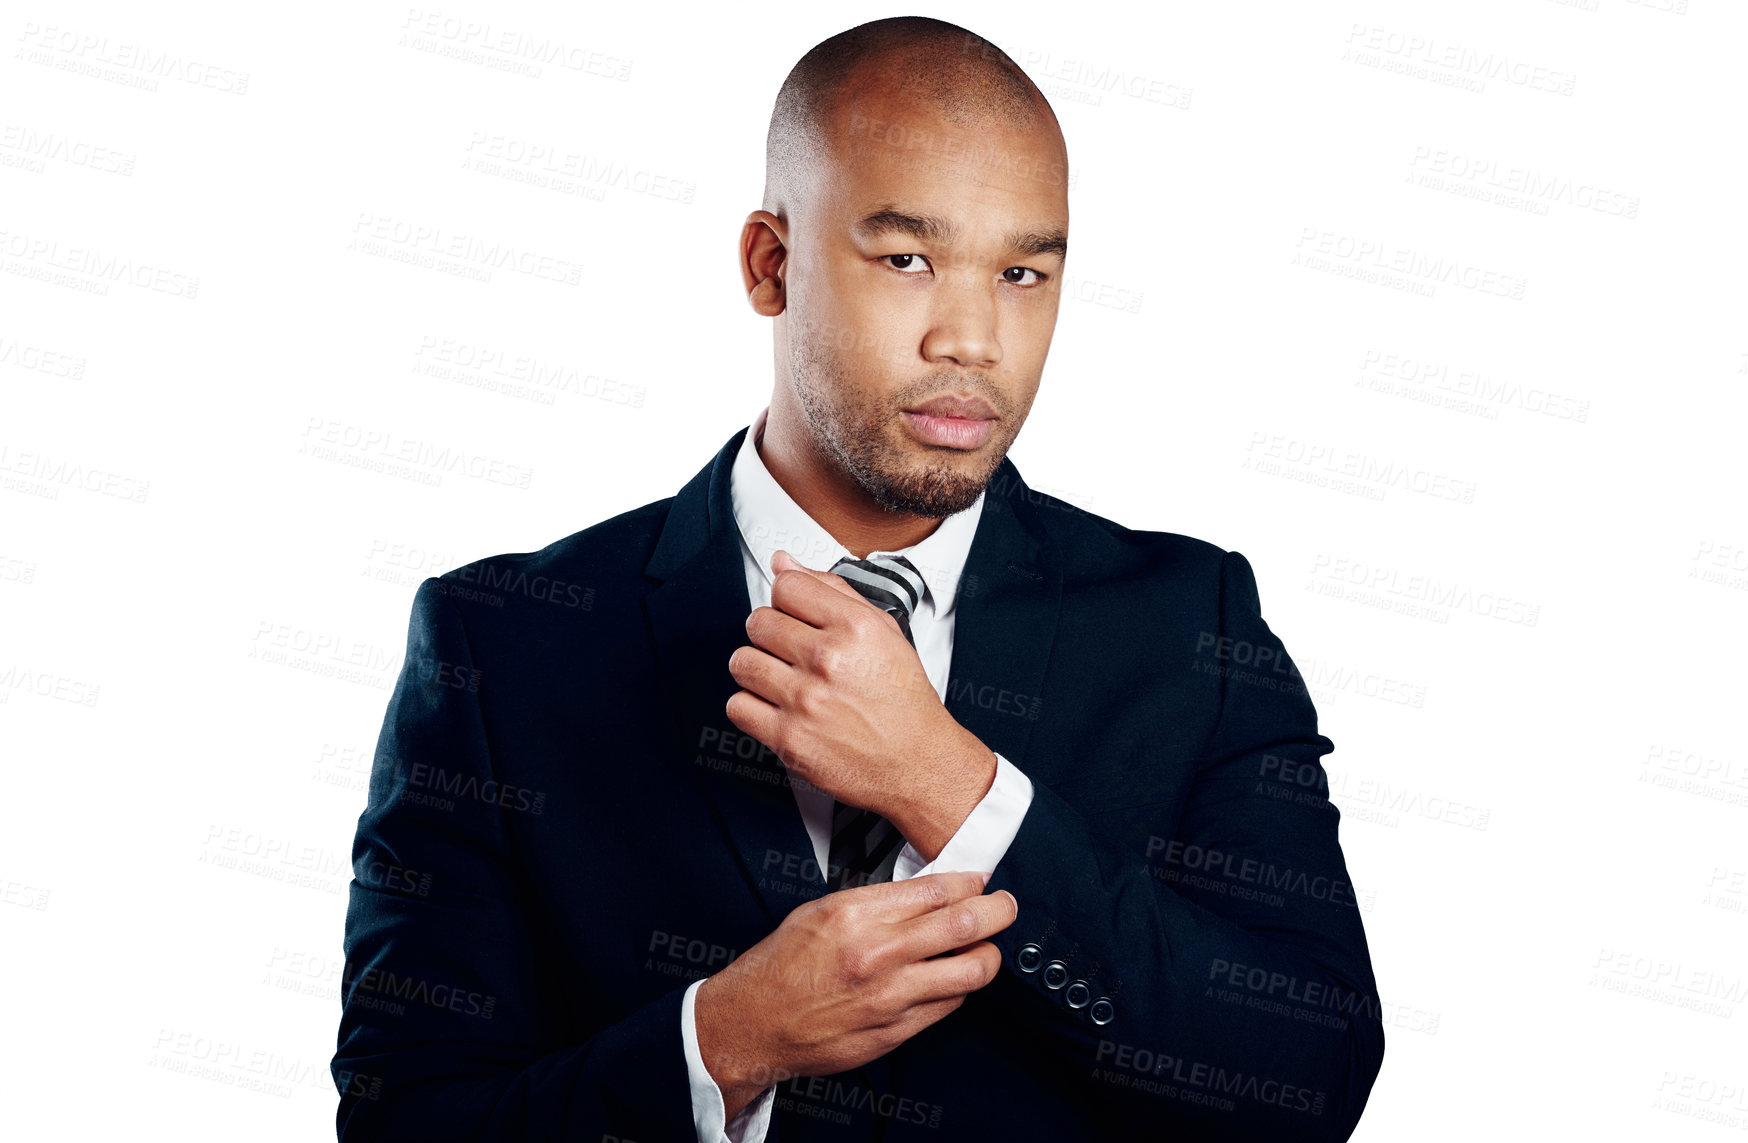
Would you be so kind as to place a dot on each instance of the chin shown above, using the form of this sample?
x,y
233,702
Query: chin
x,y
931,488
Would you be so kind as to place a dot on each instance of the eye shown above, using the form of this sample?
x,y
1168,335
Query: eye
x,y
1007,275
904,262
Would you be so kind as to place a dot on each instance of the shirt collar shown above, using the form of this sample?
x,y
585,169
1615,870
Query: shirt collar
x,y
769,519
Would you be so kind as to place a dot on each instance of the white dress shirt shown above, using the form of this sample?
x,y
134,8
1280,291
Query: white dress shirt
x,y
768,519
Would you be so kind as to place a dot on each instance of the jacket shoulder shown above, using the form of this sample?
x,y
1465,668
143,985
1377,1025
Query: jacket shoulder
x,y
569,572
1087,542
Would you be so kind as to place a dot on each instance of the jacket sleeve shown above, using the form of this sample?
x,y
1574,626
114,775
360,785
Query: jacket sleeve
x,y
448,1026
1205,963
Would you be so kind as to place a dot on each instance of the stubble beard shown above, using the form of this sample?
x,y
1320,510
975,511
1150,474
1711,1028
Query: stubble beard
x,y
860,437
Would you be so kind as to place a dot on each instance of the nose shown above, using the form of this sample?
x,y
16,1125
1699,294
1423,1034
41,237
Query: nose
x,y
962,328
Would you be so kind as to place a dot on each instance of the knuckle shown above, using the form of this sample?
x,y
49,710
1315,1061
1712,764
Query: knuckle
x,y
851,645
829,907
878,998
827,659
753,663
846,916
856,962
931,893
796,745
870,622
876,955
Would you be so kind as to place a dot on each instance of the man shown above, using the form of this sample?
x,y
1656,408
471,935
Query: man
x,y
676,832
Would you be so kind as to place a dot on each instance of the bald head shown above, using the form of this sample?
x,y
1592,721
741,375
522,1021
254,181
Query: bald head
x,y
955,73
910,249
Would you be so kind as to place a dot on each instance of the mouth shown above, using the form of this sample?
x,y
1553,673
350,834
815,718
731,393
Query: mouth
x,y
950,421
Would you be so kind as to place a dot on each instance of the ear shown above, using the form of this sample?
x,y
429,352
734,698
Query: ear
x,y
764,258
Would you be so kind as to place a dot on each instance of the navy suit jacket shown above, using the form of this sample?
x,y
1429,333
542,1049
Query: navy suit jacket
x,y
564,830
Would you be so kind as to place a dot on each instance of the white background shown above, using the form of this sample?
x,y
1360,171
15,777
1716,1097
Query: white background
x,y
1503,536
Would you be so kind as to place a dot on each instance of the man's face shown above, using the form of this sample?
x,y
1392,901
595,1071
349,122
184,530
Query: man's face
x,y
923,277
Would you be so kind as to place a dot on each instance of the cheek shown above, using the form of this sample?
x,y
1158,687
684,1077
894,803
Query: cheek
x,y
1033,325
849,304
848,330
886,334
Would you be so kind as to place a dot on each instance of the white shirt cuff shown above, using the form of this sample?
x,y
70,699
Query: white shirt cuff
x,y
708,1110
983,838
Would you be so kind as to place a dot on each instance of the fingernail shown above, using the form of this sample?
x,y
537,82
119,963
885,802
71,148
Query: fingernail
x,y
986,878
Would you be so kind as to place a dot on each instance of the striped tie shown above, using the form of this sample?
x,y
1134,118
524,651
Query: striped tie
x,y
865,845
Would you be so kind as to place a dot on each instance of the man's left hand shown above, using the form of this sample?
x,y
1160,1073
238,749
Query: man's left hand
x,y
833,687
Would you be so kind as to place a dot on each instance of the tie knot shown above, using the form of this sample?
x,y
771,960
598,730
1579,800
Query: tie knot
x,y
891,583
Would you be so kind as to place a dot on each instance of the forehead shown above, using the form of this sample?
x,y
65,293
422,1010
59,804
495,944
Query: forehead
x,y
985,173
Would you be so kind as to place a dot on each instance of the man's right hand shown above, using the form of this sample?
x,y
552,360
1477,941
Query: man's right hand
x,y
846,978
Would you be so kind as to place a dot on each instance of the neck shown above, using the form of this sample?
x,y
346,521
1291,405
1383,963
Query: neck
x,y
835,501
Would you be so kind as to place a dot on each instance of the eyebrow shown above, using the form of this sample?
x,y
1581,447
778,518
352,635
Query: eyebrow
x,y
939,231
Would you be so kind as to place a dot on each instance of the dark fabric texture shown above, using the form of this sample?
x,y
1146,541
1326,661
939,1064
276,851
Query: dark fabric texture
x,y
564,830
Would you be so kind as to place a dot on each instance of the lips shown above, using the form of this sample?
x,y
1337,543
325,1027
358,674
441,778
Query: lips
x,y
967,408
950,421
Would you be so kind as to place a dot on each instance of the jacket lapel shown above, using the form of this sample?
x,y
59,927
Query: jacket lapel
x,y
1005,620
698,618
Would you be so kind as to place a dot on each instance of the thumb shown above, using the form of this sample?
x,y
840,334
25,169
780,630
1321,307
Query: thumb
x,y
782,561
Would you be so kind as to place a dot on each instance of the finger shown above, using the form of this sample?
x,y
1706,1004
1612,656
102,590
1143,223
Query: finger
x,y
808,597
953,927
754,716
805,595
781,634
936,980
896,902
782,561
842,586
764,674
920,1016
